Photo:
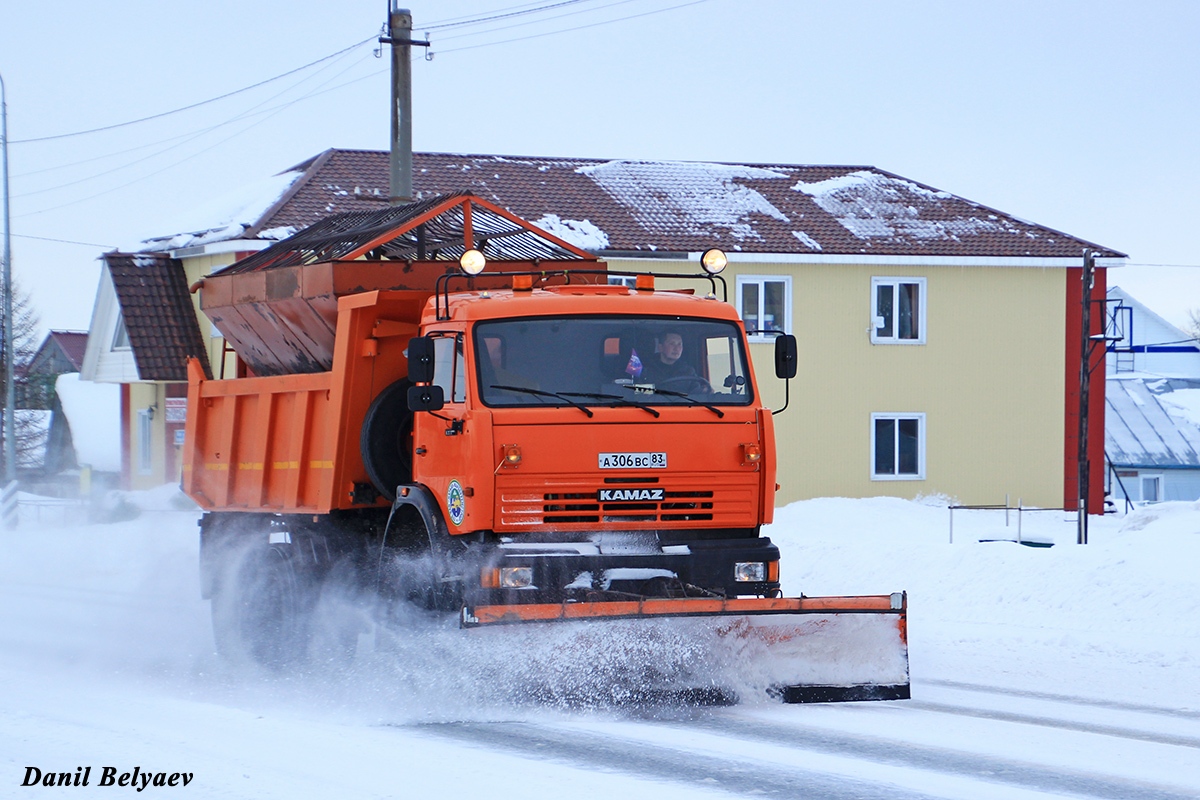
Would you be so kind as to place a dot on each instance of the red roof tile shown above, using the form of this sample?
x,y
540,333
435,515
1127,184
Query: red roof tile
x,y
158,314
690,206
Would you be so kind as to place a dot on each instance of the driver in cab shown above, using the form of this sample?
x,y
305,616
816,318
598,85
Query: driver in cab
x,y
668,362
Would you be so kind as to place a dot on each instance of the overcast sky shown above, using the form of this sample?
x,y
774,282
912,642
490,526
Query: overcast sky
x,y
1080,116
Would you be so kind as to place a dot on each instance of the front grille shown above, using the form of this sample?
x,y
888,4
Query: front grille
x,y
523,502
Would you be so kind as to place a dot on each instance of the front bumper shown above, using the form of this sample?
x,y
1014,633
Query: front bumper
x,y
591,571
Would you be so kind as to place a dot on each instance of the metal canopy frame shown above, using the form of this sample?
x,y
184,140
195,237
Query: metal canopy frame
x,y
440,228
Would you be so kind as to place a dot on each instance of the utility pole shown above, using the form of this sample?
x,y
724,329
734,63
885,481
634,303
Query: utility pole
x,y
1085,381
400,163
10,428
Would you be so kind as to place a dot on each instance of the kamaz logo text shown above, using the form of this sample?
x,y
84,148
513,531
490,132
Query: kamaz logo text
x,y
616,495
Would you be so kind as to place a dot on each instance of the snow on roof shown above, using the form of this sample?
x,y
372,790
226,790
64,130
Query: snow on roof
x,y
1152,422
667,196
664,206
226,216
870,204
581,233
93,411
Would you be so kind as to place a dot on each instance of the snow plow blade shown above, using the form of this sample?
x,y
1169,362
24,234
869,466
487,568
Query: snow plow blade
x,y
799,650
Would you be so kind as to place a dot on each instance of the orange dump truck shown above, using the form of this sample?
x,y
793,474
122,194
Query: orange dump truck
x,y
450,408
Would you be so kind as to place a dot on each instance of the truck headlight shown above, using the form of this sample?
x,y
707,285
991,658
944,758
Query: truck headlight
x,y
472,262
750,572
516,577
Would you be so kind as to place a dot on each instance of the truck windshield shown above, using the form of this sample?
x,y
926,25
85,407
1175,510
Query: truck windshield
x,y
596,361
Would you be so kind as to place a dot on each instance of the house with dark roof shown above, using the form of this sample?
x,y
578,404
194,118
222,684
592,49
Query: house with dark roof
x,y
59,353
1152,438
939,337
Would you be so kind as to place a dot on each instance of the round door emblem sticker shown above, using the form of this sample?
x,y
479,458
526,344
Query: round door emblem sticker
x,y
456,503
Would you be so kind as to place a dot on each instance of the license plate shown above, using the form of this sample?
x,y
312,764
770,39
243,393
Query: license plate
x,y
633,460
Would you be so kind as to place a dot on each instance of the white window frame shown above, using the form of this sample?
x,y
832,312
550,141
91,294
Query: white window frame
x,y
922,309
920,474
1154,476
145,433
786,280
120,340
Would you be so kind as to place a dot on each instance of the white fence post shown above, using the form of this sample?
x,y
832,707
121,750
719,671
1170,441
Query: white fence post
x,y
8,506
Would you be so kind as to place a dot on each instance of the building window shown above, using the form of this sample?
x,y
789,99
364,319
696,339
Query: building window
x,y
1151,488
121,337
145,433
898,310
623,280
897,447
765,304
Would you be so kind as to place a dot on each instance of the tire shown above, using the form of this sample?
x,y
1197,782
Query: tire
x,y
262,610
386,439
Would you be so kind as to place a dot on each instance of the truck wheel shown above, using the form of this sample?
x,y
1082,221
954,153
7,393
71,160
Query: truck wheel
x,y
386,440
262,610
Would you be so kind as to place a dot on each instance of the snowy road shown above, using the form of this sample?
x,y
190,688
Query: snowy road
x,y
106,661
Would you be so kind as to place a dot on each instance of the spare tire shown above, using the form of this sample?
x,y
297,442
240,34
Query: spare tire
x,y
386,440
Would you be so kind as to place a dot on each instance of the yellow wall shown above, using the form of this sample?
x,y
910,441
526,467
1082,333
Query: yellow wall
x,y
195,269
141,397
990,381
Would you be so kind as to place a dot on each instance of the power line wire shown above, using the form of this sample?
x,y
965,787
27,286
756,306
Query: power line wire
x,y
480,20
469,17
576,28
193,105
270,112
196,135
62,241
536,21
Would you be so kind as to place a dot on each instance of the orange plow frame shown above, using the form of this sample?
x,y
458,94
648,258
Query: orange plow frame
x,y
783,626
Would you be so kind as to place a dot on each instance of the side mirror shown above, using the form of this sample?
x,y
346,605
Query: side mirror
x,y
785,356
426,398
420,360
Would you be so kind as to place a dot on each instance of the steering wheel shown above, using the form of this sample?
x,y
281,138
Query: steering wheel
x,y
700,384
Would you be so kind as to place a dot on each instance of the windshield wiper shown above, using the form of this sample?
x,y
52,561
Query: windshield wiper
x,y
540,393
691,400
622,400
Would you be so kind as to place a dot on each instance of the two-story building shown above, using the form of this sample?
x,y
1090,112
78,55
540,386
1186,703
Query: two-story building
x,y
939,338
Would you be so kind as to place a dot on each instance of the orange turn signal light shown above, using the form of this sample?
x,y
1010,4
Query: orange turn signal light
x,y
773,572
512,455
751,453
489,578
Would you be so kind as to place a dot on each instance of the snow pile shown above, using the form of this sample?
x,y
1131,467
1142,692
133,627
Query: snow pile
x,y
93,411
868,205
698,198
581,233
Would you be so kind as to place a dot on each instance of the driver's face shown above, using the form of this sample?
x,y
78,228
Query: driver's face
x,y
672,348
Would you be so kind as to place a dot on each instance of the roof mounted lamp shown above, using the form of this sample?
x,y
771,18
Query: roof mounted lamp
x,y
713,261
472,262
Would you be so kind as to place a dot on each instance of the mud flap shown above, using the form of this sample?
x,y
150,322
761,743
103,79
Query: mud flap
x,y
797,650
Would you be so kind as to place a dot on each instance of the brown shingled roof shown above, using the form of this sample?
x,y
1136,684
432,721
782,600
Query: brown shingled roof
x,y
689,206
158,314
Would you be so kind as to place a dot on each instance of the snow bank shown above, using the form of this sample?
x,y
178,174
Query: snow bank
x,y
1116,618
